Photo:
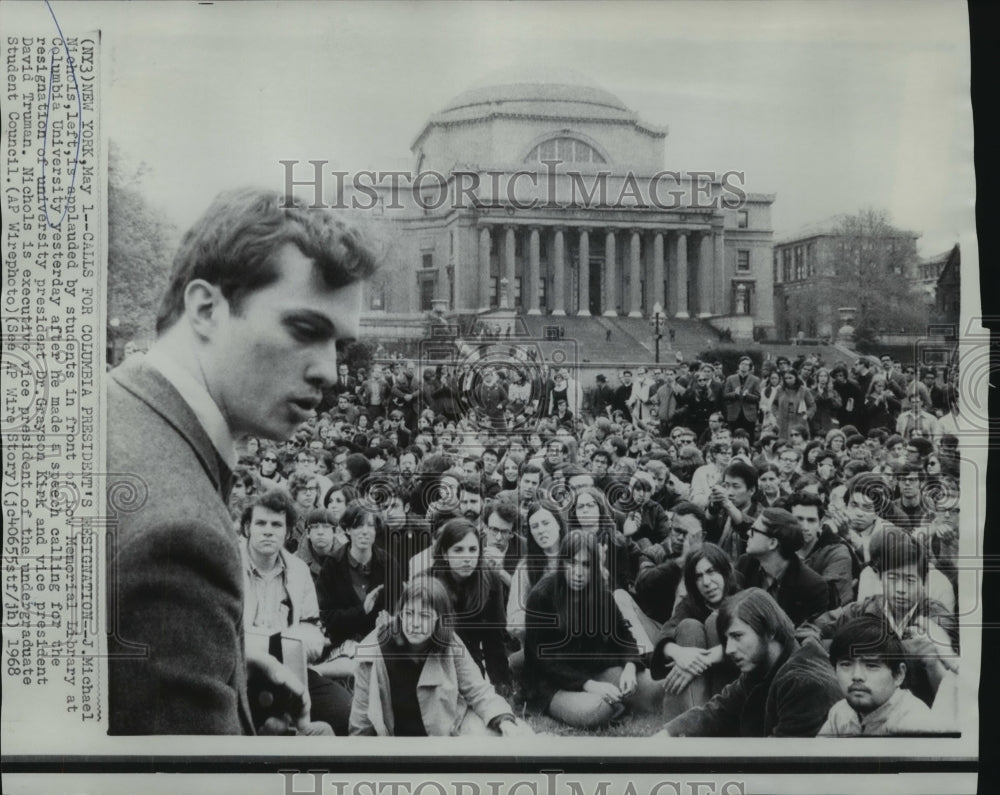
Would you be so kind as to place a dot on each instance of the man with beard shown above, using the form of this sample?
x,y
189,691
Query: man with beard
x,y
784,689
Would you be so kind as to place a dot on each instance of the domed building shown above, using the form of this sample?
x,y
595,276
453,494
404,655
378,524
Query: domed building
x,y
552,197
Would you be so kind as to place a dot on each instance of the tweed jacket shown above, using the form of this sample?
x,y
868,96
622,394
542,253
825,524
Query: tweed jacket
x,y
177,663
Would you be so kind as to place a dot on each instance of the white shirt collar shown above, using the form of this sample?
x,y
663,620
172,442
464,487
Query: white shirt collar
x,y
200,402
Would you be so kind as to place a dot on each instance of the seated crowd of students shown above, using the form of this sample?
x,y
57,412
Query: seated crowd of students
x,y
719,570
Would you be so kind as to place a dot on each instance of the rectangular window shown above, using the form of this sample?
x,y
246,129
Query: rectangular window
x,y
799,269
541,293
428,260
495,291
742,219
743,260
517,291
426,295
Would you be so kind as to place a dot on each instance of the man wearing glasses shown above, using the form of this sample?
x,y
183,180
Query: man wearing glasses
x,y
503,548
908,511
771,563
263,291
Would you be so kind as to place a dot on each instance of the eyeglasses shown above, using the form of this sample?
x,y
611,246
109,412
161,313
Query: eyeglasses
x,y
271,460
760,532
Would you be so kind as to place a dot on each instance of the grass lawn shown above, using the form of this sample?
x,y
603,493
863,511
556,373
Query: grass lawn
x,y
629,725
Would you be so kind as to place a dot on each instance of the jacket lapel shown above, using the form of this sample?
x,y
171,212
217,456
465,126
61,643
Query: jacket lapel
x,y
149,386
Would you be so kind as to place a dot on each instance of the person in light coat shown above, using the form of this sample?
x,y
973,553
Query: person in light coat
x,y
416,678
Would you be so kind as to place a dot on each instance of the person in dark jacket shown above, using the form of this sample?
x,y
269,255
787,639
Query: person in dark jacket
x,y
783,690
771,564
700,401
477,592
602,397
581,664
352,583
823,550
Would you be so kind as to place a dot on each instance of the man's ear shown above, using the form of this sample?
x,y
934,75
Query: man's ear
x,y
900,676
203,303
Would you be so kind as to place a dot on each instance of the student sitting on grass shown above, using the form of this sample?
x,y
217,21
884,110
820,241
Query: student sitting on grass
x,y
582,665
415,678
689,651
870,663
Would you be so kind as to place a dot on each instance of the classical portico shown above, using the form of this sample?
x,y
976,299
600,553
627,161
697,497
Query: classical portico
x,y
553,268
557,191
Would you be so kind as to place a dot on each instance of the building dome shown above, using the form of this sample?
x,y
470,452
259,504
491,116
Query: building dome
x,y
552,90
534,93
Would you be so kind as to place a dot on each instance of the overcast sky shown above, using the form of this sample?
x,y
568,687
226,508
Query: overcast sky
x,y
831,106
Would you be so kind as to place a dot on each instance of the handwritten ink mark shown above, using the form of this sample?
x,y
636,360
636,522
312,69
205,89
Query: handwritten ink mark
x,y
45,133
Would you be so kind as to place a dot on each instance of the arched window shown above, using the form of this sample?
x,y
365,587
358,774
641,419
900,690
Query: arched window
x,y
565,150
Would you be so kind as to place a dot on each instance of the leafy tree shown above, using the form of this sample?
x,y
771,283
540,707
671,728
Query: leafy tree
x,y
870,264
140,246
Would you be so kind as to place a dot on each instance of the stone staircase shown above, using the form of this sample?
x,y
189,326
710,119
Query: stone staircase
x,y
630,341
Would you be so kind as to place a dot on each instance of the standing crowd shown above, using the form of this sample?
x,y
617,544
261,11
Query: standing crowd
x,y
737,553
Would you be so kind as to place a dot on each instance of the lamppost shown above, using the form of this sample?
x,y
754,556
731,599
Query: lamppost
x,y
656,321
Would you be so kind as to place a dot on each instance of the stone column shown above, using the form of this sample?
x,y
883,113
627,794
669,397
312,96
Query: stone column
x,y
584,274
533,273
559,280
635,271
509,249
484,267
721,305
609,274
657,294
682,275
706,275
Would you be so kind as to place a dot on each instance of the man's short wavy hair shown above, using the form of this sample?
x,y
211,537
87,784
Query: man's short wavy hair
x,y
233,247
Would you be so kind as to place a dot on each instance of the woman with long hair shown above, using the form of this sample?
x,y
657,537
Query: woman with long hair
x,y
546,530
477,594
591,513
828,402
336,501
270,469
809,455
836,442
417,679
881,406
581,665
689,650
793,404
772,384
510,472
